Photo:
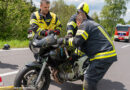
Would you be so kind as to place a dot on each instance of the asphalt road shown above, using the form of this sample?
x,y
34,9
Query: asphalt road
x,y
117,77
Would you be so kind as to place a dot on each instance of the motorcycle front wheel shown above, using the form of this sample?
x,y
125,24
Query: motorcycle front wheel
x,y
27,76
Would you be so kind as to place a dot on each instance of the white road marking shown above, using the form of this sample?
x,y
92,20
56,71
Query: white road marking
x,y
14,49
125,46
9,73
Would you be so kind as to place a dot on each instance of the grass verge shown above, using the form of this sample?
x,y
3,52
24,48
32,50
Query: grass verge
x,y
15,43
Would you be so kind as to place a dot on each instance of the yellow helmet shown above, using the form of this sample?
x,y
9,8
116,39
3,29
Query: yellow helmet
x,y
83,7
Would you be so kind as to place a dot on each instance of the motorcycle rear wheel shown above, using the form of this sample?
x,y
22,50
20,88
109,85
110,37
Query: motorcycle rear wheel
x,y
26,79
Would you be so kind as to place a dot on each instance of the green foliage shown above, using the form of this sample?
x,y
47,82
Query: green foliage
x,y
112,12
121,21
14,43
128,22
14,18
64,12
96,17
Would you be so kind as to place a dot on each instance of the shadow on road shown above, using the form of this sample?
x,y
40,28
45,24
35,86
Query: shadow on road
x,y
122,42
6,65
110,85
103,85
68,86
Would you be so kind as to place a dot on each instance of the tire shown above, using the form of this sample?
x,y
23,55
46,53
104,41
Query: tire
x,y
116,40
82,78
127,40
19,77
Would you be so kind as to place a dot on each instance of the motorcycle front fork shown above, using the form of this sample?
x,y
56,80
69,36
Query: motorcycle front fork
x,y
41,72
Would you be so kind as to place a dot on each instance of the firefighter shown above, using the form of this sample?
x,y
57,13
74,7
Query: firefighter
x,y
94,41
43,22
72,29
72,26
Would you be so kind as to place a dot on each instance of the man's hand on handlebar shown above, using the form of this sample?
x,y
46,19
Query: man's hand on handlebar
x,y
47,32
61,41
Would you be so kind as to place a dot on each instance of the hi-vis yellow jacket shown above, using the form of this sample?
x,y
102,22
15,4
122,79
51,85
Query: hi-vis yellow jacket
x,y
50,22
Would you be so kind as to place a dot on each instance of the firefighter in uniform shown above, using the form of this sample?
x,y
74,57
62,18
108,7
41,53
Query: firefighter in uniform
x,y
94,41
44,22
72,29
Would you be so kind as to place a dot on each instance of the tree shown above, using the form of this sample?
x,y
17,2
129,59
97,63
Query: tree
x,y
14,18
121,21
96,17
3,17
111,13
128,22
64,12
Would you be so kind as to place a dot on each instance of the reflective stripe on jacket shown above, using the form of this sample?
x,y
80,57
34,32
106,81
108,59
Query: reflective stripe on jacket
x,y
93,40
50,22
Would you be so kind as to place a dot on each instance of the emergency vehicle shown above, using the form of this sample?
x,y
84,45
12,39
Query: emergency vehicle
x,y
122,32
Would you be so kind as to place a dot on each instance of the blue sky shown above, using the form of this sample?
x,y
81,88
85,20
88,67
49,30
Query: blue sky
x,y
95,6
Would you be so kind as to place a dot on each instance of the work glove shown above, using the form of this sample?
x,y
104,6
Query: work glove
x,y
47,32
30,34
30,31
69,35
50,32
57,32
60,41
43,33
63,41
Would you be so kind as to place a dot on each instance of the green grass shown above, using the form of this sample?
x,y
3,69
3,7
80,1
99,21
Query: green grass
x,y
15,43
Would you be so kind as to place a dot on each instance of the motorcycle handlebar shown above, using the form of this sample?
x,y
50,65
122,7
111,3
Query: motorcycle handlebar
x,y
46,41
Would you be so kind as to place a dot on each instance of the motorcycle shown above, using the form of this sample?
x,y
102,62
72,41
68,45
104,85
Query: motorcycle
x,y
55,61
